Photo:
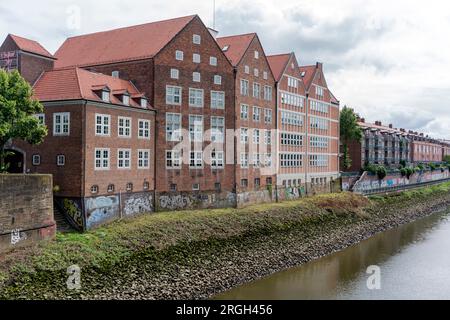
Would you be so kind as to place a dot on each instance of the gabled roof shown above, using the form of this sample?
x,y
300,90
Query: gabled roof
x,y
76,83
310,72
237,46
30,46
334,99
124,44
278,64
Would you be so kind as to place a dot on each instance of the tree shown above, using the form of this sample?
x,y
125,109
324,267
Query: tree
x,y
350,131
17,113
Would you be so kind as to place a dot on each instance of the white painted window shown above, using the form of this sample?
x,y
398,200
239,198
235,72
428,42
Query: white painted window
x,y
217,80
267,93
256,114
256,136
217,159
318,160
268,116
144,103
196,187
196,58
196,39
256,72
144,129
196,128
217,129
244,160
173,126
124,158
319,123
173,95
292,100
124,127
244,111
101,159
244,135
179,55
268,162
143,159
106,96
41,118
61,124
318,106
319,142
217,100
213,61
196,77
256,160
292,118
291,139
244,87
94,189
196,98
174,74
268,137
126,99
115,74
102,125
247,69
173,159
61,160
319,91
196,159
256,90
36,160
256,54
265,75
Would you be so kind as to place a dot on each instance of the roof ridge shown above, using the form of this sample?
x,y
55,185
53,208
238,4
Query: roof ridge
x,y
279,55
238,35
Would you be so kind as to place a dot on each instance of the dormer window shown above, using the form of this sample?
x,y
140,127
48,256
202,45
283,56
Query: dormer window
x,y
144,103
105,96
225,49
126,99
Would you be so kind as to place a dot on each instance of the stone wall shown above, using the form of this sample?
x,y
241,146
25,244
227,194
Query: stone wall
x,y
187,200
26,210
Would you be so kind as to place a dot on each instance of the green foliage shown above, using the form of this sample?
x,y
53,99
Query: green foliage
x,y
381,172
17,110
403,163
421,166
403,172
349,131
409,172
371,168
447,159
432,166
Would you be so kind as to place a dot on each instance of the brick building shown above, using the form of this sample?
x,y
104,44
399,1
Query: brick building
x,y
255,110
425,149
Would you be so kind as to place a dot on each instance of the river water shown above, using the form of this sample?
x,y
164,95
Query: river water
x,y
411,262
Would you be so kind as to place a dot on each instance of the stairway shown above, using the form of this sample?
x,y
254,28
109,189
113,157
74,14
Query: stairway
x,y
62,225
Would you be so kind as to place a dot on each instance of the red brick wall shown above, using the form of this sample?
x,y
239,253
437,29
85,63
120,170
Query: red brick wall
x,y
425,151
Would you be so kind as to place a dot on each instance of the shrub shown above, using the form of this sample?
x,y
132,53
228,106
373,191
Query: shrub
x,y
409,172
381,172
403,163
432,166
403,172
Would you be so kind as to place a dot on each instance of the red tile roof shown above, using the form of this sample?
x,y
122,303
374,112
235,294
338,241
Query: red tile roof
x,y
237,46
310,72
278,64
76,83
124,44
30,46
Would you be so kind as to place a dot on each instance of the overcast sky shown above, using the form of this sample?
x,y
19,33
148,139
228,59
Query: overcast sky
x,y
389,60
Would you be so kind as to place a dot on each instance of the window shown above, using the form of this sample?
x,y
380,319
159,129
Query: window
x,y
256,72
319,142
217,159
102,123
196,98
244,135
218,186
179,55
265,75
257,182
244,183
196,39
124,127
292,100
61,160
196,128
124,159
36,160
256,55
268,116
244,111
173,95
319,106
268,137
174,74
256,136
196,58
101,159
217,80
291,139
319,91
144,129
268,162
173,126
61,124
291,160
247,69
244,160
143,159
173,159
292,118
111,188
126,99
129,187
115,74
196,187
41,118
319,123
217,129
106,96
213,61
269,181
196,77
146,185
244,88
318,160
292,82
257,160
144,103
196,159
256,90
256,114
217,100
94,189
267,93
173,187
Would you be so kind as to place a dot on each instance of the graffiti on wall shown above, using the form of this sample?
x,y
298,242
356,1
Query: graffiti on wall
x,y
73,210
136,204
17,236
189,201
175,202
100,210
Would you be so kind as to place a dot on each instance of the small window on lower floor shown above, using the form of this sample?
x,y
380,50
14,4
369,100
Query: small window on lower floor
x,y
244,183
61,160
269,181
129,187
196,187
111,188
257,182
94,189
218,186
146,185
36,160
173,188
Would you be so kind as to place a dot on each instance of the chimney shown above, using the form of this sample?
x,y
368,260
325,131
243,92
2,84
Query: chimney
x,y
391,126
213,32
363,120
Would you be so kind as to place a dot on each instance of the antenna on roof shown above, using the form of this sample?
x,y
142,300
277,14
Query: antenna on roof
x,y
214,14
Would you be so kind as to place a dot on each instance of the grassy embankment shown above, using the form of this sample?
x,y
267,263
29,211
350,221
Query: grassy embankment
x,y
161,239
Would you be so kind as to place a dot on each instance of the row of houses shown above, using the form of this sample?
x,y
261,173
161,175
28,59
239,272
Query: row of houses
x,y
390,146
167,115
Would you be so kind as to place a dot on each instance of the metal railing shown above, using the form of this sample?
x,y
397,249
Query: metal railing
x,y
404,187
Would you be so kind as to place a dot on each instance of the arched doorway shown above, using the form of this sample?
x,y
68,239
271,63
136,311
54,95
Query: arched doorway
x,y
15,160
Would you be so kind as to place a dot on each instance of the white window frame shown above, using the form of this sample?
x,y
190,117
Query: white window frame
x,y
256,136
244,111
196,128
256,93
196,58
268,137
218,80
179,55
126,161
106,96
143,161
245,88
41,118
217,159
175,159
268,116
196,157
60,160
102,159
247,69
63,116
196,77
244,160
174,74
244,135
36,159
256,54
173,134
217,129
104,127
213,61
124,127
196,39
257,114
170,97
195,100
143,132
215,102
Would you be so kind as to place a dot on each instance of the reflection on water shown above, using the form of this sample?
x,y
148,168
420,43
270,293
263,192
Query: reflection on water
x,y
413,258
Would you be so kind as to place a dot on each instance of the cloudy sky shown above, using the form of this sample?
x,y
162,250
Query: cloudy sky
x,y
389,60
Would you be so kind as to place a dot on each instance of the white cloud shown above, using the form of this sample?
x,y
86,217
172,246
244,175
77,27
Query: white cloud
x,y
388,59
